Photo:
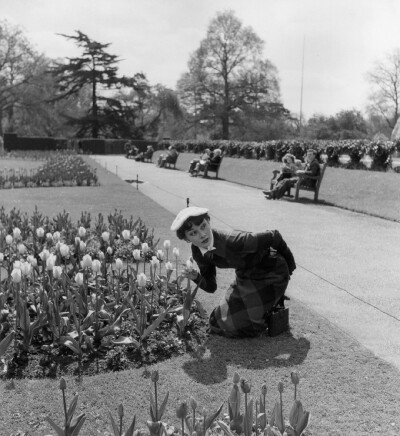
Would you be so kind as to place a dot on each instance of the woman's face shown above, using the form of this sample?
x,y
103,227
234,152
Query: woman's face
x,y
200,235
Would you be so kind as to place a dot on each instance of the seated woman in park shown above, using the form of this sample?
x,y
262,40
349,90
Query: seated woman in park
x,y
263,264
131,150
287,181
148,154
287,171
215,159
170,157
203,158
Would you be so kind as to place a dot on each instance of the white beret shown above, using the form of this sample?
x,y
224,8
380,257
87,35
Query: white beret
x,y
186,213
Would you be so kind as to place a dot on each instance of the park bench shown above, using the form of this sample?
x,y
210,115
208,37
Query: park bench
x,y
148,157
171,162
298,186
214,167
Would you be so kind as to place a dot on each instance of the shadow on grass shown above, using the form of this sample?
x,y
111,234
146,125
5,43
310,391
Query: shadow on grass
x,y
210,364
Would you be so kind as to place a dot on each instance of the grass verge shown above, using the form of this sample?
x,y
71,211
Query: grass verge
x,y
347,389
372,192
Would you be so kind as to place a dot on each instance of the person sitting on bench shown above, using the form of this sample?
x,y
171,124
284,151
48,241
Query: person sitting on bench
x,y
203,158
170,157
215,159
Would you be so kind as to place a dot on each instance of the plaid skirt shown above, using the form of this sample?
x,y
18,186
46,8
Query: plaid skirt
x,y
244,308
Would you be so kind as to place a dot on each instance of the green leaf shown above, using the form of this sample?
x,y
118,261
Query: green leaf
x,y
76,428
58,429
155,324
71,343
71,410
130,430
114,426
210,419
161,410
126,340
5,343
303,423
225,428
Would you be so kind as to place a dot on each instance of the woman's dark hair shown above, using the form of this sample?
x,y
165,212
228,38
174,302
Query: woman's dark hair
x,y
189,223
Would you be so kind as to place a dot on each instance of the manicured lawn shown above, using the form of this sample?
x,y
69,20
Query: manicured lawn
x,y
347,389
370,192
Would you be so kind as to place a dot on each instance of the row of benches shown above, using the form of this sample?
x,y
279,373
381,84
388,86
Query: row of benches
x,y
214,168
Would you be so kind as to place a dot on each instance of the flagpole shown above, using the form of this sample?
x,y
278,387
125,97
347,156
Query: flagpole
x,y
301,88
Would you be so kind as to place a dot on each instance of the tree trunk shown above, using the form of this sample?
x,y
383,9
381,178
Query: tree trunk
x,y
225,125
95,125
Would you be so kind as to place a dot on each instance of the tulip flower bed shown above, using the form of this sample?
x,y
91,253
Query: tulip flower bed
x,y
86,299
245,416
59,169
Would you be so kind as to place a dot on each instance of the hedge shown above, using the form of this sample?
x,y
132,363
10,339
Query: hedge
x,y
380,152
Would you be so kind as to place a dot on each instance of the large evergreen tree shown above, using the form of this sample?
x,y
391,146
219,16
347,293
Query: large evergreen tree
x,y
98,69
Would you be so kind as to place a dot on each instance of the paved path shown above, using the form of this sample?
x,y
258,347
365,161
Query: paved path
x,y
348,263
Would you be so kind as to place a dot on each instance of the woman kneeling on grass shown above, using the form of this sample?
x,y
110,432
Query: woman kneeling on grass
x,y
263,265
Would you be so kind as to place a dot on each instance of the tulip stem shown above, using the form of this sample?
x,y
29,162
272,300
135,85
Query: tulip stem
x,y
246,416
155,396
65,408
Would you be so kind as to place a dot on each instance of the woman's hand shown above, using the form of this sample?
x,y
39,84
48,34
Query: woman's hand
x,y
188,271
191,274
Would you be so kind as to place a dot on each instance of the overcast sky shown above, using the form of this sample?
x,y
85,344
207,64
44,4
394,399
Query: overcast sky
x,y
342,39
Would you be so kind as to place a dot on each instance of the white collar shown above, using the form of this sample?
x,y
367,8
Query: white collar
x,y
210,246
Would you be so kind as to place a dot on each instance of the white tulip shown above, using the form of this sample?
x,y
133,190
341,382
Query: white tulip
x,y
169,266
154,261
44,255
96,265
26,268
82,246
82,232
109,251
189,265
136,254
86,261
1,257
145,247
126,234
77,240
64,250
160,254
16,275
119,264
22,249
49,237
136,240
40,232
9,239
167,244
175,252
17,233
101,255
142,280
105,236
50,262
79,279
32,260
57,271
56,236
17,264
